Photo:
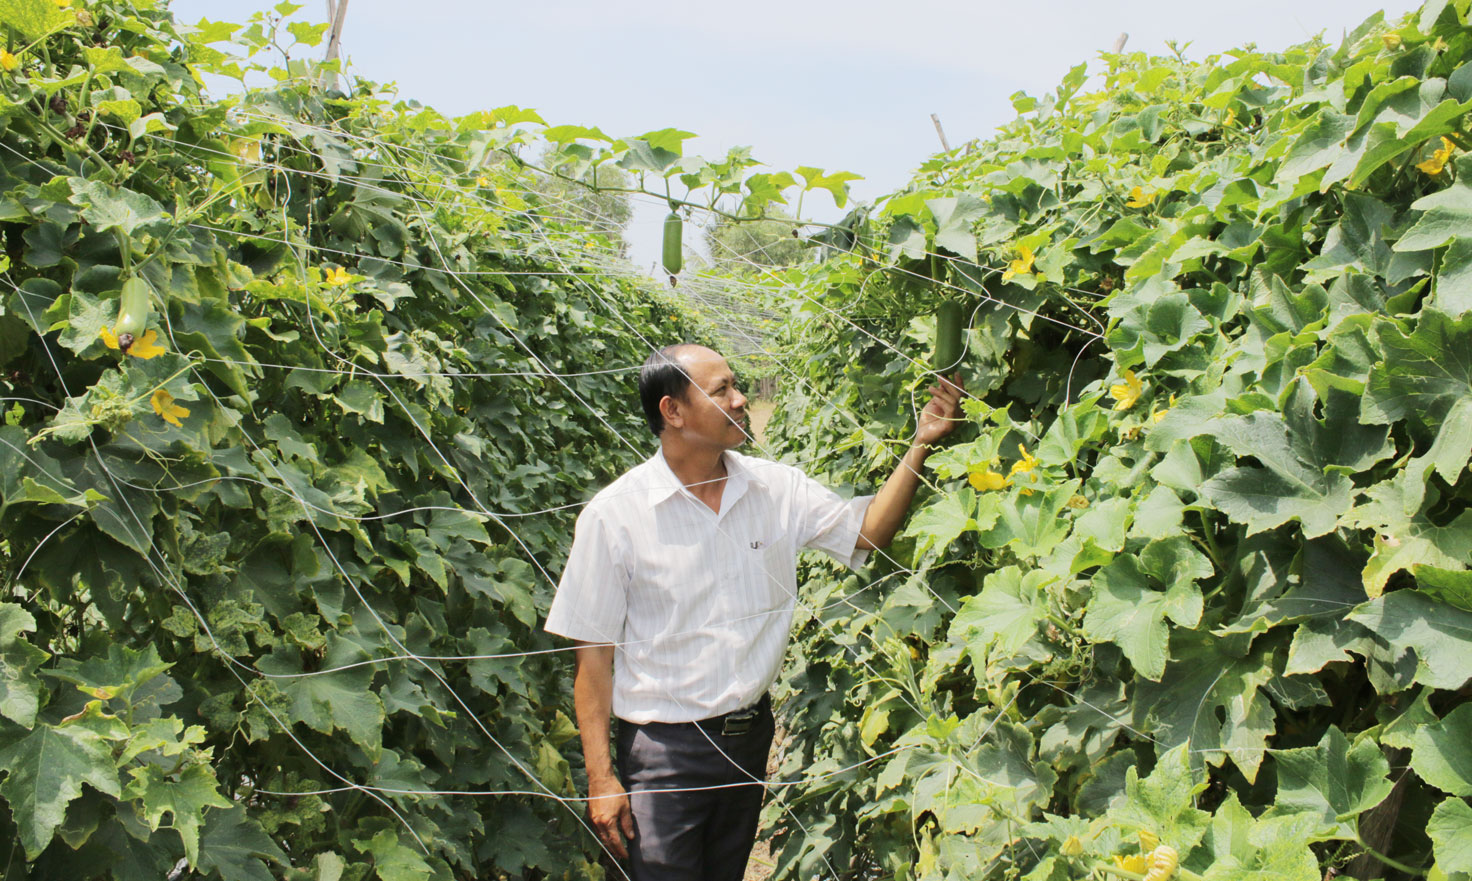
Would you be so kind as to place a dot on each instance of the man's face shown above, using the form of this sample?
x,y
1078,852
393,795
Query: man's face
x,y
713,412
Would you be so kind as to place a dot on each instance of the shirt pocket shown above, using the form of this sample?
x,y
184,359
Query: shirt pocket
x,y
763,578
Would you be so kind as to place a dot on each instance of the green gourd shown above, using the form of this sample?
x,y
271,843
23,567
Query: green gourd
x,y
674,231
133,308
947,336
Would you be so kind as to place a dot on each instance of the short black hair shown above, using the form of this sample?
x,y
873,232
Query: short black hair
x,y
662,376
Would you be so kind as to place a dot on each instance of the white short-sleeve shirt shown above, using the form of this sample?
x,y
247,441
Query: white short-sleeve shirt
x,y
697,603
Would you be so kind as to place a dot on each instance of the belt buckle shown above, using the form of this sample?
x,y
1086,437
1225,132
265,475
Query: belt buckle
x,y
738,722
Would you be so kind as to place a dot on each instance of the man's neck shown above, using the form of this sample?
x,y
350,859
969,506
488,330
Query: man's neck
x,y
700,470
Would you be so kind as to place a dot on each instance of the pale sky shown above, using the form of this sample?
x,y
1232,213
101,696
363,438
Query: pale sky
x,y
839,85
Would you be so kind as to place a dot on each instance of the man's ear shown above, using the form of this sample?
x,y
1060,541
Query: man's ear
x,y
669,408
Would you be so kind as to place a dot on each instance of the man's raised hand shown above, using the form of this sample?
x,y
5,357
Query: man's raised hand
x,y
943,410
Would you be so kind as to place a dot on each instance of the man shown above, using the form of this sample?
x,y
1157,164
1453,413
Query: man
x,y
679,593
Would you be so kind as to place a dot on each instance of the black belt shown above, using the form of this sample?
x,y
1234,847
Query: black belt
x,y
736,722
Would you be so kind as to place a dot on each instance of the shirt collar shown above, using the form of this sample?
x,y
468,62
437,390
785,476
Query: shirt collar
x,y
663,484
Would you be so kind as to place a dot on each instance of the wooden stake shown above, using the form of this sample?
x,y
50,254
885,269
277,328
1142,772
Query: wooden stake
x,y
945,145
337,11
1119,41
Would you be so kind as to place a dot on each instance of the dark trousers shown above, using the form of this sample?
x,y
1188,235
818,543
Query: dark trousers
x,y
693,836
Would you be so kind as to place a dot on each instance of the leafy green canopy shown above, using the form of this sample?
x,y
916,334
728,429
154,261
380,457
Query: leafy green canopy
x,y
266,607
1196,570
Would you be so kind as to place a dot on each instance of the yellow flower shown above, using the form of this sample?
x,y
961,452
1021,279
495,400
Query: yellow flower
x,y
1148,840
1231,116
987,480
1134,863
1126,394
1140,198
164,405
62,4
1438,160
1072,847
1077,502
481,181
8,61
1021,266
1027,463
146,346
1391,41
336,276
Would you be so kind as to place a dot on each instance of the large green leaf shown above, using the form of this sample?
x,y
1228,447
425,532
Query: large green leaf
x,y
1424,377
1334,781
20,690
393,859
953,219
1454,278
107,207
117,675
1405,534
1210,701
34,19
1303,459
45,771
1436,634
237,848
1031,524
1450,829
327,702
1446,213
1164,803
184,796
1442,753
1006,613
1127,611
942,521
1243,848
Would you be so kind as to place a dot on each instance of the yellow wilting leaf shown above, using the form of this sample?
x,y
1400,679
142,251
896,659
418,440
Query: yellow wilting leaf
x,y
146,346
8,61
336,276
1021,266
986,480
1438,160
1391,41
164,406
246,150
1155,420
1140,198
1077,502
1126,394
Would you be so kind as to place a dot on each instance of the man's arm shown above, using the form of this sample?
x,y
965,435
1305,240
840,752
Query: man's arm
x,y
592,695
887,510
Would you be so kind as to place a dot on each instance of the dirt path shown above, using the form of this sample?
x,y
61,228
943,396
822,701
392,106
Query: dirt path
x,y
760,413
760,866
